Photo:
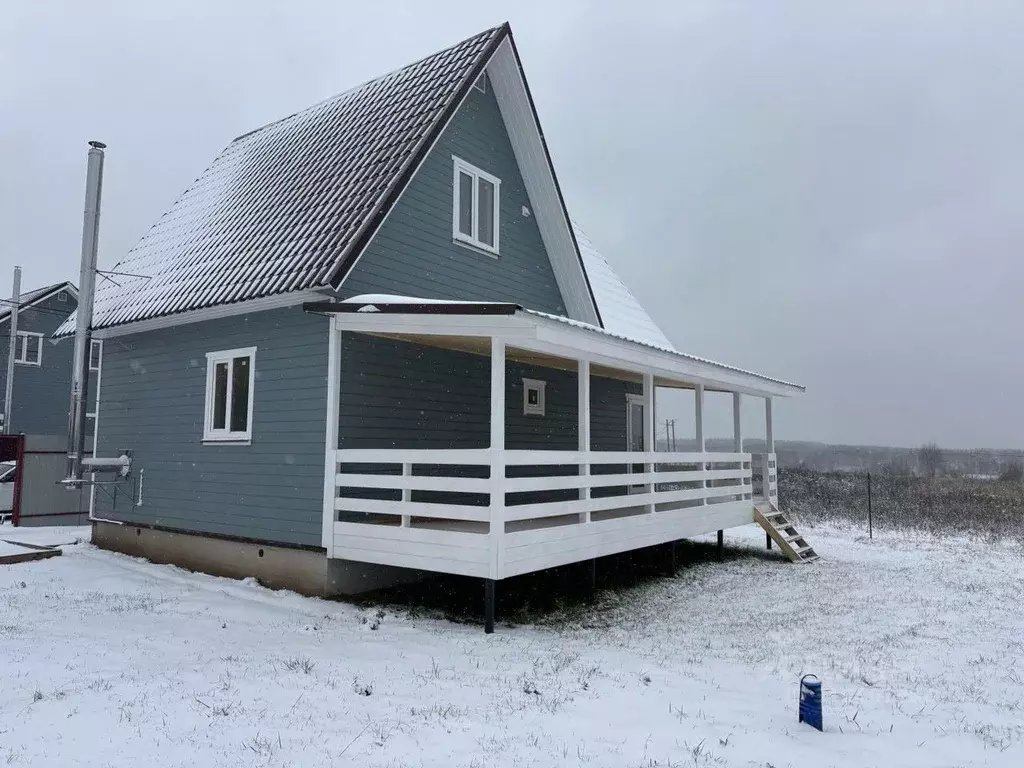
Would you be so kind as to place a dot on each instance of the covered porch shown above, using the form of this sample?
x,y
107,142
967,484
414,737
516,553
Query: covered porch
x,y
495,509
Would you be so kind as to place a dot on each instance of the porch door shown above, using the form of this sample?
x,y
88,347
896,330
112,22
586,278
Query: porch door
x,y
635,434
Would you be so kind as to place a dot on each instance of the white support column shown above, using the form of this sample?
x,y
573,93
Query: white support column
x,y
497,505
331,441
583,415
737,427
649,429
769,434
698,424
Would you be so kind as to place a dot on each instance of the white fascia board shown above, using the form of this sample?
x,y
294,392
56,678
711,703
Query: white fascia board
x,y
209,313
623,354
510,326
538,176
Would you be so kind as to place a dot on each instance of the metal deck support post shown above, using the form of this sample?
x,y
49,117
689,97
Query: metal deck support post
x,y
721,545
768,541
489,606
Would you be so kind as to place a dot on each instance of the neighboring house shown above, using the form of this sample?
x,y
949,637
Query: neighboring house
x,y
369,337
42,367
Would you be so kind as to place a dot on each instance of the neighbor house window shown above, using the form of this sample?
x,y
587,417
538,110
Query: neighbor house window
x,y
475,218
229,384
62,296
29,349
95,354
533,397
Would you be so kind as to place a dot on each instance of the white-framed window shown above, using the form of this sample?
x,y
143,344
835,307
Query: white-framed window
x,y
95,354
475,218
533,397
229,384
62,296
29,349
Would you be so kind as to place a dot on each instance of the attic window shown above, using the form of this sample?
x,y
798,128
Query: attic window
x,y
533,397
62,296
475,219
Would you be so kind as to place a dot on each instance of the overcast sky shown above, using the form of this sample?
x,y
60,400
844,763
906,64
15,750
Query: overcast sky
x,y
825,192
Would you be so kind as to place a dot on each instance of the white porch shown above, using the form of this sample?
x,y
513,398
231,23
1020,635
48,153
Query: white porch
x,y
493,512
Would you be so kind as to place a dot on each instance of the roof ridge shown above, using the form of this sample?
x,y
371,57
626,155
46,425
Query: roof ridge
x,y
355,88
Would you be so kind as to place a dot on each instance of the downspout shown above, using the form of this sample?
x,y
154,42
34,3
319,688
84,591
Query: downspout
x,y
83,319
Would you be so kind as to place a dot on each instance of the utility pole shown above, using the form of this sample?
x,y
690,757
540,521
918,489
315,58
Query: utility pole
x,y
12,350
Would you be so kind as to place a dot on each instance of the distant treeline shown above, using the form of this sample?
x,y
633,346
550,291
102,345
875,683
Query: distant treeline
x,y
927,460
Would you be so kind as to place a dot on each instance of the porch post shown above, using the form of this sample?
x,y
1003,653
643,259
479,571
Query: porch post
x,y
497,500
769,434
649,430
583,416
331,442
737,428
698,422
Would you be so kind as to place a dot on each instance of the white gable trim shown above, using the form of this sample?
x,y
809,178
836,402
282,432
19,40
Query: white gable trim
x,y
507,82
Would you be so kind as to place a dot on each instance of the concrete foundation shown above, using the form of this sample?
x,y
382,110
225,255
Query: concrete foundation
x,y
307,572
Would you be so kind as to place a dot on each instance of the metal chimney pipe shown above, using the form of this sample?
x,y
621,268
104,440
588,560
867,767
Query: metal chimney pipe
x,y
83,319
13,350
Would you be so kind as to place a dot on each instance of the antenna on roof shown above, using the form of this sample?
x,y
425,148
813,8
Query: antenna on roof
x,y
83,320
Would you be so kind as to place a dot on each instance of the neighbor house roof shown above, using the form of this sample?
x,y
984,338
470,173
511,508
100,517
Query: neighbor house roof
x,y
36,296
290,206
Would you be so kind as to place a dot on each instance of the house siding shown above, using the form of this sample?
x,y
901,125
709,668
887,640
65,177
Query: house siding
x,y
41,393
153,400
413,252
396,394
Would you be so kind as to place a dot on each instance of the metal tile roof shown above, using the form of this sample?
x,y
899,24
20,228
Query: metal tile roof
x,y
621,314
282,207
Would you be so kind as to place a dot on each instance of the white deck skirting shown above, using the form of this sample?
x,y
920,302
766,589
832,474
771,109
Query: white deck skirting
x,y
480,527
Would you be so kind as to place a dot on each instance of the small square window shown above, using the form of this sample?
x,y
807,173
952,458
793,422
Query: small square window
x,y
533,397
29,348
229,385
62,296
476,210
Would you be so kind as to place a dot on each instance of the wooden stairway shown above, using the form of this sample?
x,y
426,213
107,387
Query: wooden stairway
x,y
783,533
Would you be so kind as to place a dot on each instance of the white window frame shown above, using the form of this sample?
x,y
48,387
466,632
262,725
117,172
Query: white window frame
x,y
225,435
22,353
461,166
62,296
96,344
534,409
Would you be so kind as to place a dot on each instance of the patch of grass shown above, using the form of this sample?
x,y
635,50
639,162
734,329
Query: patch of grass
x,y
302,664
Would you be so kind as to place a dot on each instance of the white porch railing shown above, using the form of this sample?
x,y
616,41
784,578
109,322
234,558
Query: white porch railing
x,y
758,464
496,514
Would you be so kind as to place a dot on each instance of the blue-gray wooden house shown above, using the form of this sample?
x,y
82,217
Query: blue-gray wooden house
x,y
370,338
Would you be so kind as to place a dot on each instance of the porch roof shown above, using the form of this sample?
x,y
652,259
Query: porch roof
x,y
417,319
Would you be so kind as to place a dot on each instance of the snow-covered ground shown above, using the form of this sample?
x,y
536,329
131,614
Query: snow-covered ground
x,y
110,661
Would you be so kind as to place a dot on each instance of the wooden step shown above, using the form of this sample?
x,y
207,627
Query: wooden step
x,y
783,532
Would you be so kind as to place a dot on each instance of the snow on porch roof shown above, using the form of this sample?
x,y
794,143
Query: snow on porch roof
x,y
410,305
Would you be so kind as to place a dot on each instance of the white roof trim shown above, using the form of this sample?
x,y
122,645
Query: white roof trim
x,y
564,336
509,86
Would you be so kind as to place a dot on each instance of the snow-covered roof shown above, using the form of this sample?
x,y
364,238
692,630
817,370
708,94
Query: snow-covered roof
x,y
621,313
288,206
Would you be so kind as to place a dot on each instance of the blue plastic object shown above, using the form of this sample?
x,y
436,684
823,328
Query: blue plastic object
x,y
810,701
